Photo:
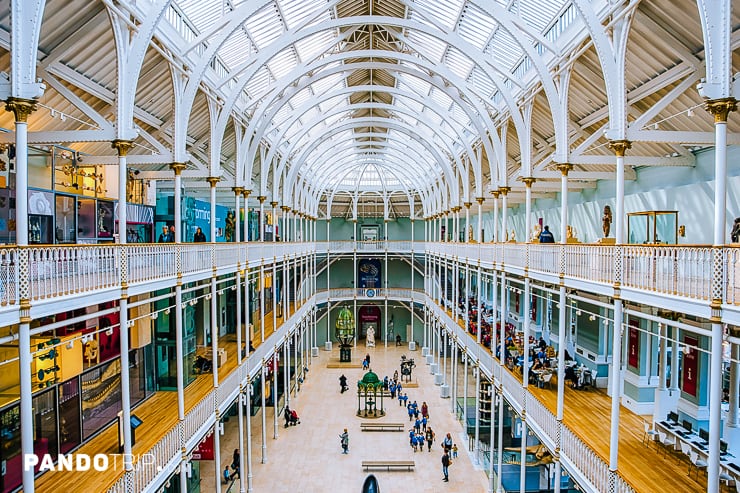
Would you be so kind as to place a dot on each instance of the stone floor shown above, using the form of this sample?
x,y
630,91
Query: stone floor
x,y
307,458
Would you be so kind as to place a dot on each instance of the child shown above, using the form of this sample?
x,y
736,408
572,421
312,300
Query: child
x,y
227,475
454,451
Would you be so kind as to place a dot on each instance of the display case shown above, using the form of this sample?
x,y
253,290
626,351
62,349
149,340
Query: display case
x,y
652,228
66,218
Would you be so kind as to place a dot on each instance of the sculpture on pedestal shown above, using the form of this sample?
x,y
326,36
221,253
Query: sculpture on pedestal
x,y
345,332
370,337
606,220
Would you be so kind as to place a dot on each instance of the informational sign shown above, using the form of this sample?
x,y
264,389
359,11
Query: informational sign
x,y
690,365
633,358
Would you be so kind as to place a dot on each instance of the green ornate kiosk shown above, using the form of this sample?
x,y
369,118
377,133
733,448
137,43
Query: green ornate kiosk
x,y
369,389
344,329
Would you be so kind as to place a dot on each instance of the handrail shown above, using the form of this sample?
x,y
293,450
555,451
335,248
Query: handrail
x,y
63,271
583,462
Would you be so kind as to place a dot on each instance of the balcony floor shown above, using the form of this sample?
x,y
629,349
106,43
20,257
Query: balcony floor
x,y
159,414
588,413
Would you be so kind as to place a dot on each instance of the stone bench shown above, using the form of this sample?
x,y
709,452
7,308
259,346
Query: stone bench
x,y
388,465
382,427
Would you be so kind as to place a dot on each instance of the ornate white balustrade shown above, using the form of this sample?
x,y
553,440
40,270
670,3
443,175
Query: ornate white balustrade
x,y
50,272
674,270
589,470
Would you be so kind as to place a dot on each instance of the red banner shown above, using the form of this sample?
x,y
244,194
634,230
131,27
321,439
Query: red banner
x,y
204,451
690,365
634,344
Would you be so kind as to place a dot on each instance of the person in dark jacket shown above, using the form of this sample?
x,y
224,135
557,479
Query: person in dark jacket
x,y
445,465
164,237
546,236
199,236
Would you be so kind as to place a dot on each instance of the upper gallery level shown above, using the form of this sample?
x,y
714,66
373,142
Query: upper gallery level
x,y
693,277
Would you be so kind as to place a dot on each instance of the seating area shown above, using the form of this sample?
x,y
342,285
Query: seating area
x,y
382,426
388,465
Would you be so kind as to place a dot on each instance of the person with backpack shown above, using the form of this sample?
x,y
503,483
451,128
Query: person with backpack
x,y
546,236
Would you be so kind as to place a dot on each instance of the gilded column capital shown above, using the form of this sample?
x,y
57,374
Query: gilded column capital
x,y
21,108
177,168
721,108
529,181
213,180
619,146
284,208
122,146
261,198
273,204
495,194
480,200
246,193
237,190
564,168
504,191
467,204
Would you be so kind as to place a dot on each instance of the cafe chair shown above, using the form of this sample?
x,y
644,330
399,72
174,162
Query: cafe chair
x,y
649,435
666,441
696,462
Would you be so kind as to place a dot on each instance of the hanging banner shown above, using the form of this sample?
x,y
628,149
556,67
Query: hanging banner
x,y
369,275
690,365
204,451
634,344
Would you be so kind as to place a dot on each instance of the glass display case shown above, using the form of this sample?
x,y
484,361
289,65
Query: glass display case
x,y
652,228
66,217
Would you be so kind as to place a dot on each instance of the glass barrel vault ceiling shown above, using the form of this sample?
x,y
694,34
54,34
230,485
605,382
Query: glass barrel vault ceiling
x,y
382,103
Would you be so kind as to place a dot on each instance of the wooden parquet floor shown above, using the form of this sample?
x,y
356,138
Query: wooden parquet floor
x,y
159,414
647,469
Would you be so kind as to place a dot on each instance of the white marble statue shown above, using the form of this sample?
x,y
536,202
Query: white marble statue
x,y
370,337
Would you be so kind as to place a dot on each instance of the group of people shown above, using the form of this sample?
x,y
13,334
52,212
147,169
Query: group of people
x,y
168,235
420,435
231,473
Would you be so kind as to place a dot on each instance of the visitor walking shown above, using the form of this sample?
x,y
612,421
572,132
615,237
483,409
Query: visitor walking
x,y
344,440
430,438
445,465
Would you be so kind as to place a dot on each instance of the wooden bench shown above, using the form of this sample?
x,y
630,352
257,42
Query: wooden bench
x,y
382,426
388,464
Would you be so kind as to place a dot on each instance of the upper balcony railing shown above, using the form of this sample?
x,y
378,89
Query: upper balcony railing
x,y
699,273
41,273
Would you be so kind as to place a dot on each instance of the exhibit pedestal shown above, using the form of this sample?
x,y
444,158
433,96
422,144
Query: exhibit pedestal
x,y
438,379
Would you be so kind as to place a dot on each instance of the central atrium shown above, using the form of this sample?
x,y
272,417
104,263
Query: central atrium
x,y
212,210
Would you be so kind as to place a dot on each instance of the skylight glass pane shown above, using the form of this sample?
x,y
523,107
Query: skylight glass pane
x,y
314,45
282,63
259,83
265,26
445,13
476,26
235,50
431,48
